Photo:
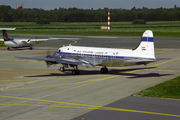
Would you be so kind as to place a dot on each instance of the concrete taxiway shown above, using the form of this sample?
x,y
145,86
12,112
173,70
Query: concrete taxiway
x,y
30,90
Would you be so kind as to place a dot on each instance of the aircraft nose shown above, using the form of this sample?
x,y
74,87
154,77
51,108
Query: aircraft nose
x,y
57,54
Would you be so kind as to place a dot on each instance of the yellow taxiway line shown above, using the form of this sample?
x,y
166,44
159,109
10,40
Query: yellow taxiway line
x,y
84,106
80,106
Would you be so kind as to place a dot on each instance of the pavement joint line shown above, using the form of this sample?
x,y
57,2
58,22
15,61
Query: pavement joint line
x,y
100,79
65,44
43,79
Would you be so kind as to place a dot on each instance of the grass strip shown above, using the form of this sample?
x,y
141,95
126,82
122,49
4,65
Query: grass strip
x,y
168,89
2,44
158,32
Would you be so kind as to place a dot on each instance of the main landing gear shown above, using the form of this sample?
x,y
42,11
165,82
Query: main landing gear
x,y
104,69
74,72
77,72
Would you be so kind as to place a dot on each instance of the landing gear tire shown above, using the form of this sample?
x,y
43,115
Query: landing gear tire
x,y
31,48
75,72
61,69
8,48
104,70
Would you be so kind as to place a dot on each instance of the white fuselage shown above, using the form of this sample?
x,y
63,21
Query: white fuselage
x,y
19,43
102,56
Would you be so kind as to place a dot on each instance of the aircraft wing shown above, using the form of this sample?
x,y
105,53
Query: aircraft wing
x,y
66,60
38,58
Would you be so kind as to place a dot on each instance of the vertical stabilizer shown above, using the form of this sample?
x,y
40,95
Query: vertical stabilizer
x,y
5,35
146,46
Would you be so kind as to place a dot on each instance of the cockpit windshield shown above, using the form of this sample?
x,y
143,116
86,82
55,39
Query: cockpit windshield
x,y
57,54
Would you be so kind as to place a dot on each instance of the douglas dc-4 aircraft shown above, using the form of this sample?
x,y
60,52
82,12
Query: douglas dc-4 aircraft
x,y
18,43
94,56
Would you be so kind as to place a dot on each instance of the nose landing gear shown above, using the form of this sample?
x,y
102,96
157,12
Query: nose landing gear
x,y
74,72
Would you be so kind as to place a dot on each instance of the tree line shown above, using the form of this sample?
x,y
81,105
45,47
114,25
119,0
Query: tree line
x,y
8,14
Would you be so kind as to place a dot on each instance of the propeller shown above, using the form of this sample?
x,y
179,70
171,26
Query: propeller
x,y
48,64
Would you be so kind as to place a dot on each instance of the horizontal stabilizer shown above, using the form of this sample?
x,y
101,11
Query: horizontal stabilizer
x,y
38,39
139,60
7,28
162,59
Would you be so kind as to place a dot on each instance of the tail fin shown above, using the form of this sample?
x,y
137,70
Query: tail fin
x,y
146,46
5,36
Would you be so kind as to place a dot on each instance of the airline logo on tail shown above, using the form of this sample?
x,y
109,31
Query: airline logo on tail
x,y
5,35
143,48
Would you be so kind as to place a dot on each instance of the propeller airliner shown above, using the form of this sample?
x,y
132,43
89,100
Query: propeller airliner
x,y
17,43
106,57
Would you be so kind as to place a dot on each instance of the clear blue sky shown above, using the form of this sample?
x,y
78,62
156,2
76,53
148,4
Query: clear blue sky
x,y
88,4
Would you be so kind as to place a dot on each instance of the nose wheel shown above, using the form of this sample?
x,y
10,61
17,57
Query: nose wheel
x,y
62,69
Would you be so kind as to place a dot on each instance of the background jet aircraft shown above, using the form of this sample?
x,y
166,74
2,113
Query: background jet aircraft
x,y
94,56
17,43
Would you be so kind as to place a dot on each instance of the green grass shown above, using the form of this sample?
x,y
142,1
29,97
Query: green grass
x,y
2,44
168,89
135,31
157,31
58,24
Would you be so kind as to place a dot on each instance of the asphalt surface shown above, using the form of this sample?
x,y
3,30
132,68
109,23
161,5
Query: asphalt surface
x,y
28,90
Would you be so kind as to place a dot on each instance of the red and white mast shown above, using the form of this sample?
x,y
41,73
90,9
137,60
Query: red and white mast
x,y
22,6
109,27
16,6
